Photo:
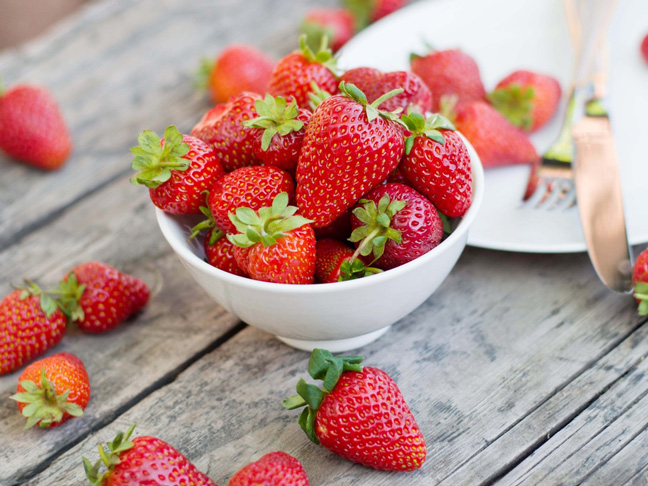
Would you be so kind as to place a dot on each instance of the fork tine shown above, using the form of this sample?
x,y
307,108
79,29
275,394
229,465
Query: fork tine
x,y
541,190
569,199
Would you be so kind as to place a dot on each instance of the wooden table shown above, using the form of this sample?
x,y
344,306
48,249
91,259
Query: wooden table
x,y
520,369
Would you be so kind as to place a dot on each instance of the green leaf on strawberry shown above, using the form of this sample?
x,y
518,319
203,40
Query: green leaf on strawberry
x,y
515,102
641,294
275,116
353,92
419,126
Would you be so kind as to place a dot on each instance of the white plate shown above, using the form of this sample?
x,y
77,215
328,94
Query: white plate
x,y
505,35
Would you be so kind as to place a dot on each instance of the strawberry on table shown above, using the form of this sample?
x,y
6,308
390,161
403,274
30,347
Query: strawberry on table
x,y
368,11
32,128
359,414
335,24
640,281
437,164
527,99
98,297
30,324
237,68
350,147
336,262
273,469
143,460
223,130
53,390
644,48
275,244
176,169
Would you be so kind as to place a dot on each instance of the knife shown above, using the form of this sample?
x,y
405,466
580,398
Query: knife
x,y
598,186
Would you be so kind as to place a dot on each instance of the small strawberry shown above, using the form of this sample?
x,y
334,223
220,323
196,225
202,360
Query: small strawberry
x,y
32,128
176,169
97,297
223,129
237,68
449,73
437,164
359,414
336,262
528,100
368,11
53,390
396,225
252,187
495,140
640,281
293,75
30,324
335,24
142,461
278,131
273,469
644,48
373,83
274,245
349,148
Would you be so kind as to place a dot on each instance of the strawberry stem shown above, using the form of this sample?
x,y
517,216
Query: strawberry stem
x,y
109,459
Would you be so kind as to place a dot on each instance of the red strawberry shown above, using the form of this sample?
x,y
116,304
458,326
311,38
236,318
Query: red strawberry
x,y
252,187
273,469
640,281
437,164
336,262
53,390
143,461
176,169
449,73
274,245
397,176
360,414
369,11
222,128
495,140
373,83
348,149
30,324
278,131
336,24
395,224
220,253
644,48
97,297
32,128
528,100
237,68
293,75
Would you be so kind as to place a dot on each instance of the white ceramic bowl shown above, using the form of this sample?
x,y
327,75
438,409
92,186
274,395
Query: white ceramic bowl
x,y
338,316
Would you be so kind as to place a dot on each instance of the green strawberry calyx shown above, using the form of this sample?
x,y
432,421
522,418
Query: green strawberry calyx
x,y
316,95
268,225
47,304
322,365
44,406
641,294
323,56
108,458
361,10
353,92
376,229
203,73
515,102
354,268
419,126
315,33
69,294
207,224
276,116
155,161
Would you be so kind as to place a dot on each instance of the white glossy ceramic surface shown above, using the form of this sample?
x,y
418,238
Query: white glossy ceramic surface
x,y
337,316
506,35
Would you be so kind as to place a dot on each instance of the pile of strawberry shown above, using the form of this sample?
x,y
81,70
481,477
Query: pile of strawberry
x,y
326,177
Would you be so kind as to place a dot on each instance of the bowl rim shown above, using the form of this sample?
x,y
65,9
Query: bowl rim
x,y
165,220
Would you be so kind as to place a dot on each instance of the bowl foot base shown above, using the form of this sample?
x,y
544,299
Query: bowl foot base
x,y
335,345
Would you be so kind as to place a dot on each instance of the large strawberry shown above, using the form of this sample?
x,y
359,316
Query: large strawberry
x,y
223,130
30,324
53,390
251,187
142,461
335,24
359,414
349,148
373,83
98,297
450,73
437,164
640,281
495,140
275,244
32,128
294,74
395,224
273,469
237,68
176,169
527,99
278,131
